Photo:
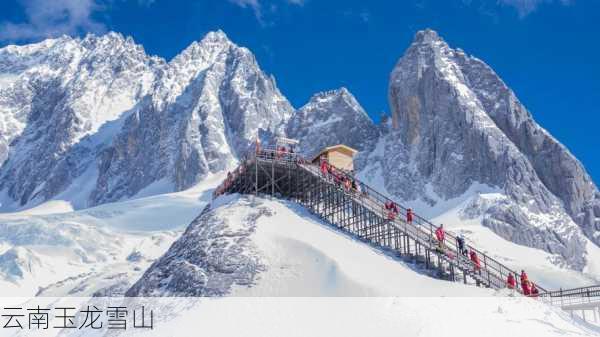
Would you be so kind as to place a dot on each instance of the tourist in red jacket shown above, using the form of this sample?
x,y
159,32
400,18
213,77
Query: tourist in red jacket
x,y
476,263
324,168
440,234
525,283
511,282
534,290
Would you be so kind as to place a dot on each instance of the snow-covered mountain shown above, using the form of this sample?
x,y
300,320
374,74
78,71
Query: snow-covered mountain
x,y
96,119
57,107
459,133
329,118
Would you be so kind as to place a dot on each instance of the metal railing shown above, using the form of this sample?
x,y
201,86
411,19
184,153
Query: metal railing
x,y
492,271
574,298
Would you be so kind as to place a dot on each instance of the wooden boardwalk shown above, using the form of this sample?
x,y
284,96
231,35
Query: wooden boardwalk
x,y
363,215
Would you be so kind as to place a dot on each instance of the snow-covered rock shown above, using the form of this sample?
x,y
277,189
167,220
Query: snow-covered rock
x,y
57,109
330,118
209,104
455,124
99,115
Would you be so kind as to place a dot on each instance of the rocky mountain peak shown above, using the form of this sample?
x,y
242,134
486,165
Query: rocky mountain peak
x,y
427,36
217,36
332,117
212,44
340,96
111,37
456,126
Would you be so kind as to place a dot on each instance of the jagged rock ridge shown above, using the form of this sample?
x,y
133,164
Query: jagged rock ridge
x,y
99,119
329,118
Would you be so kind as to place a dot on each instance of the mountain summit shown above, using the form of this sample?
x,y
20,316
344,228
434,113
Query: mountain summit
x,y
459,133
329,118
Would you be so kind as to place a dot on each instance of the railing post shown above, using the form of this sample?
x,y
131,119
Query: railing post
x,y
561,298
256,175
273,177
487,270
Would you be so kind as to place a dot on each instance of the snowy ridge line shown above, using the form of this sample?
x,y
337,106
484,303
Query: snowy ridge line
x,y
277,170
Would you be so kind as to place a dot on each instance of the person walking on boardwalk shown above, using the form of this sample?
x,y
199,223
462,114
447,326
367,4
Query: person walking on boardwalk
x,y
525,283
395,209
460,243
409,216
476,262
324,168
389,207
511,283
534,291
440,235
347,184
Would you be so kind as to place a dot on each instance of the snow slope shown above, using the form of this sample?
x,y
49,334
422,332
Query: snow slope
x,y
51,250
299,255
330,316
376,316
248,246
306,257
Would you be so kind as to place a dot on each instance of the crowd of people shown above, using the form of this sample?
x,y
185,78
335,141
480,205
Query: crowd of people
x,y
340,178
231,176
280,152
392,209
528,288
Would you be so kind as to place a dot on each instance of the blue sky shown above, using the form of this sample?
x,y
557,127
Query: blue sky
x,y
546,50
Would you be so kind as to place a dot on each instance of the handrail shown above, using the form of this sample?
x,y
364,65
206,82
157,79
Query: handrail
x,y
574,298
491,266
574,292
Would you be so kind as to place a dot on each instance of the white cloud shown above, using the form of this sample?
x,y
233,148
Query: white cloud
x,y
252,4
257,7
526,7
53,18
